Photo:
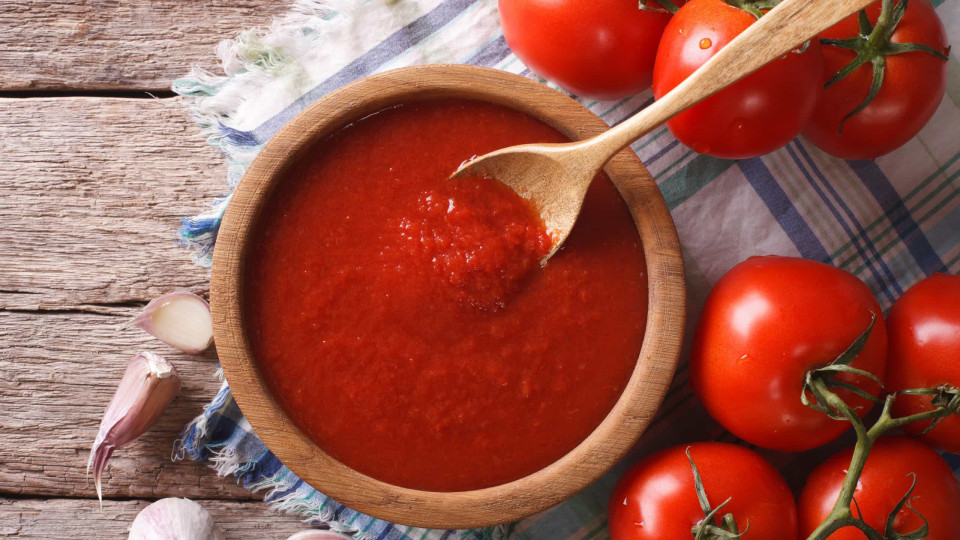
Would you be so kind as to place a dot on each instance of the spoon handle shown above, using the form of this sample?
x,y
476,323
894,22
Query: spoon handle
x,y
781,30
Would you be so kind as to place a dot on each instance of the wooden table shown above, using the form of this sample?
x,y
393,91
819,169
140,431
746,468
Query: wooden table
x,y
94,176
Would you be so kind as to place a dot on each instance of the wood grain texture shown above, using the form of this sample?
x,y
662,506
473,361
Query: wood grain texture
x,y
54,519
91,193
508,502
117,44
58,371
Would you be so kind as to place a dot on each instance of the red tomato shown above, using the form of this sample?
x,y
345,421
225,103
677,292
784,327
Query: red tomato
x,y
766,323
601,49
884,482
656,499
757,115
924,327
912,88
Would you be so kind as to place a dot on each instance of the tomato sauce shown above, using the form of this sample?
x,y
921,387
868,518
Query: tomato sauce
x,y
404,323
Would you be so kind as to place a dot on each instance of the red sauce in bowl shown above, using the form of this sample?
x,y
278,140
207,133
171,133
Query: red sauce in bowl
x,y
403,322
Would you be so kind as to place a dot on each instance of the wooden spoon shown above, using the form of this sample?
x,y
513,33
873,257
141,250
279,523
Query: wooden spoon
x,y
556,176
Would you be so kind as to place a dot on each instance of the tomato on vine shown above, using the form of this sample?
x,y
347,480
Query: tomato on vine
x,y
884,490
764,325
924,333
659,497
602,49
754,116
885,73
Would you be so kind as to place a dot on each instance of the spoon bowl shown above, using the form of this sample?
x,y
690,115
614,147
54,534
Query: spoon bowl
x,y
541,164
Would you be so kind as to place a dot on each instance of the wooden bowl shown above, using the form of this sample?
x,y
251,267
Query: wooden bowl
x,y
467,509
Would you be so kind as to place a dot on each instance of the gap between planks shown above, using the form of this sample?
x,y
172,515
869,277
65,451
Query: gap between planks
x,y
67,93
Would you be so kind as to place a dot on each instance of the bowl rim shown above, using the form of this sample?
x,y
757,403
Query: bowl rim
x,y
609,441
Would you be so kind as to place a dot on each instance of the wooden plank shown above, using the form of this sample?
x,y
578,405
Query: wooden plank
x,y
91,193
58,371
117,44
71,518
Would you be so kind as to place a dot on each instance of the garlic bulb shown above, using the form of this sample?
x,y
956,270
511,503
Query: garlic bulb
x,y
174,519
147,387
318,535
180,319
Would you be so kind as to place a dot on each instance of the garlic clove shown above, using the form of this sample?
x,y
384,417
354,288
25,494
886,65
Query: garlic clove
x,y
180,319
148,385
318,535
174,519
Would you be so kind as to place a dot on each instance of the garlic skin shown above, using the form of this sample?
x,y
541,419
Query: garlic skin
x,y
180,319
174,519
149,384
318,535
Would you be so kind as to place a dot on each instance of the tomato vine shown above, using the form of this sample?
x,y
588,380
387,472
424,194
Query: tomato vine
x,y
819,385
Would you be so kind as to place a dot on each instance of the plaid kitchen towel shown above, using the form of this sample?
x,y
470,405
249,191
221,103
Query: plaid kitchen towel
x,y
891,221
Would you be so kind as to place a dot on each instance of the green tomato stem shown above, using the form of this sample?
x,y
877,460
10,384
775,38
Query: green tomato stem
x,y
840,515
707,529
731,524
820,384
886,23
840,522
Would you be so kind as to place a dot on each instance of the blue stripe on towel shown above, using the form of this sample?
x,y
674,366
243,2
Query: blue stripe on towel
x,y
889,200
783,209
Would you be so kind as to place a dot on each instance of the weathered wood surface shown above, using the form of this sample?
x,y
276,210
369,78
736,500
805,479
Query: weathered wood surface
x,y
58,371
91,193
117,44
71,518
